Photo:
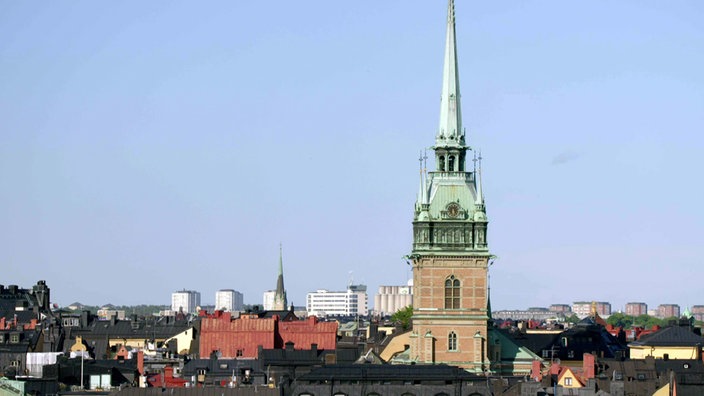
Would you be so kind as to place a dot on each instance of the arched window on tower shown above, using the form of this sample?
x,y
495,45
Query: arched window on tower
x,y
452,293
451,164
442,163
452,341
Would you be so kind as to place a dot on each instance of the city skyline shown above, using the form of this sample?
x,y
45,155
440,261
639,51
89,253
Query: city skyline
x,y
167,148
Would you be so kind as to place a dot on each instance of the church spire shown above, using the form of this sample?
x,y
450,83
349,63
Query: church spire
x,y
480,193
280,301
450,132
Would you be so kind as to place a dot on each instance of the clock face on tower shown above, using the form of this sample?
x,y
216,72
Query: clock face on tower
x,y
453,210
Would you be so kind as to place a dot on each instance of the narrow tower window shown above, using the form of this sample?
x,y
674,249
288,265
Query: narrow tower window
x,y
452,341
442,163
451,164
452,293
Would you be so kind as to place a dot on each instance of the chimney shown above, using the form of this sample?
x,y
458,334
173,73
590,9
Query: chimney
x,y
140,362
535,370
588,365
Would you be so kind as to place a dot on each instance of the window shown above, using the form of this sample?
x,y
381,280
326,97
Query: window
x,y
452,341
240,352
14,338
452,293
568,381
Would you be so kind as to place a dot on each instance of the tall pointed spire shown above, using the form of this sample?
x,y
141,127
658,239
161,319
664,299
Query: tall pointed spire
x,y
421,187
450,132
480,193
280,302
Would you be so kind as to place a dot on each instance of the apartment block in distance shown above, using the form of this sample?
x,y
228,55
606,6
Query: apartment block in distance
x,y
584,308
351,302
229,300
562,308
698,312
668,311
636,308
185,301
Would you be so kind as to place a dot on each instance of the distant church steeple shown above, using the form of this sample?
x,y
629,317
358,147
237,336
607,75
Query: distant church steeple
x,y
280,302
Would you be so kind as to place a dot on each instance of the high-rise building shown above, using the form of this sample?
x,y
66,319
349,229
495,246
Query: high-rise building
x,y
350,302
636,309
668,311
185,301
450,255
229,300
390,299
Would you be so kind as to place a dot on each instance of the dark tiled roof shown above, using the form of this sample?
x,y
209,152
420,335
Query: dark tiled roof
x,y
219,367
670,336
371,372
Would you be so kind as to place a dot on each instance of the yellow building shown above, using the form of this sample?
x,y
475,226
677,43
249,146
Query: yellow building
x,y
676,342
568,379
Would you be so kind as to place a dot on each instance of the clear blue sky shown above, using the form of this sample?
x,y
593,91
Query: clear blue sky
x,y
152,146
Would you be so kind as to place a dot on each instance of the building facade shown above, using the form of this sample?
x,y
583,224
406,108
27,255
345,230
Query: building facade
x,y
242,337
268,300
636,309
229,300
390,299
535,313
450,255
350,302
185,301
698,312
585,308
668,311
562,308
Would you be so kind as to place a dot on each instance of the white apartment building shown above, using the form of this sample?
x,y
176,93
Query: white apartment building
x,y
185,301
229,300
351,302
390,299
268,300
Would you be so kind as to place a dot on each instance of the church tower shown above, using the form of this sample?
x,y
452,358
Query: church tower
x,y
450,255
280,301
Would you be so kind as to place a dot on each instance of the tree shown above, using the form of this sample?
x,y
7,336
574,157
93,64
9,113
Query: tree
x,y
572,319
403,317
619,319
647,321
